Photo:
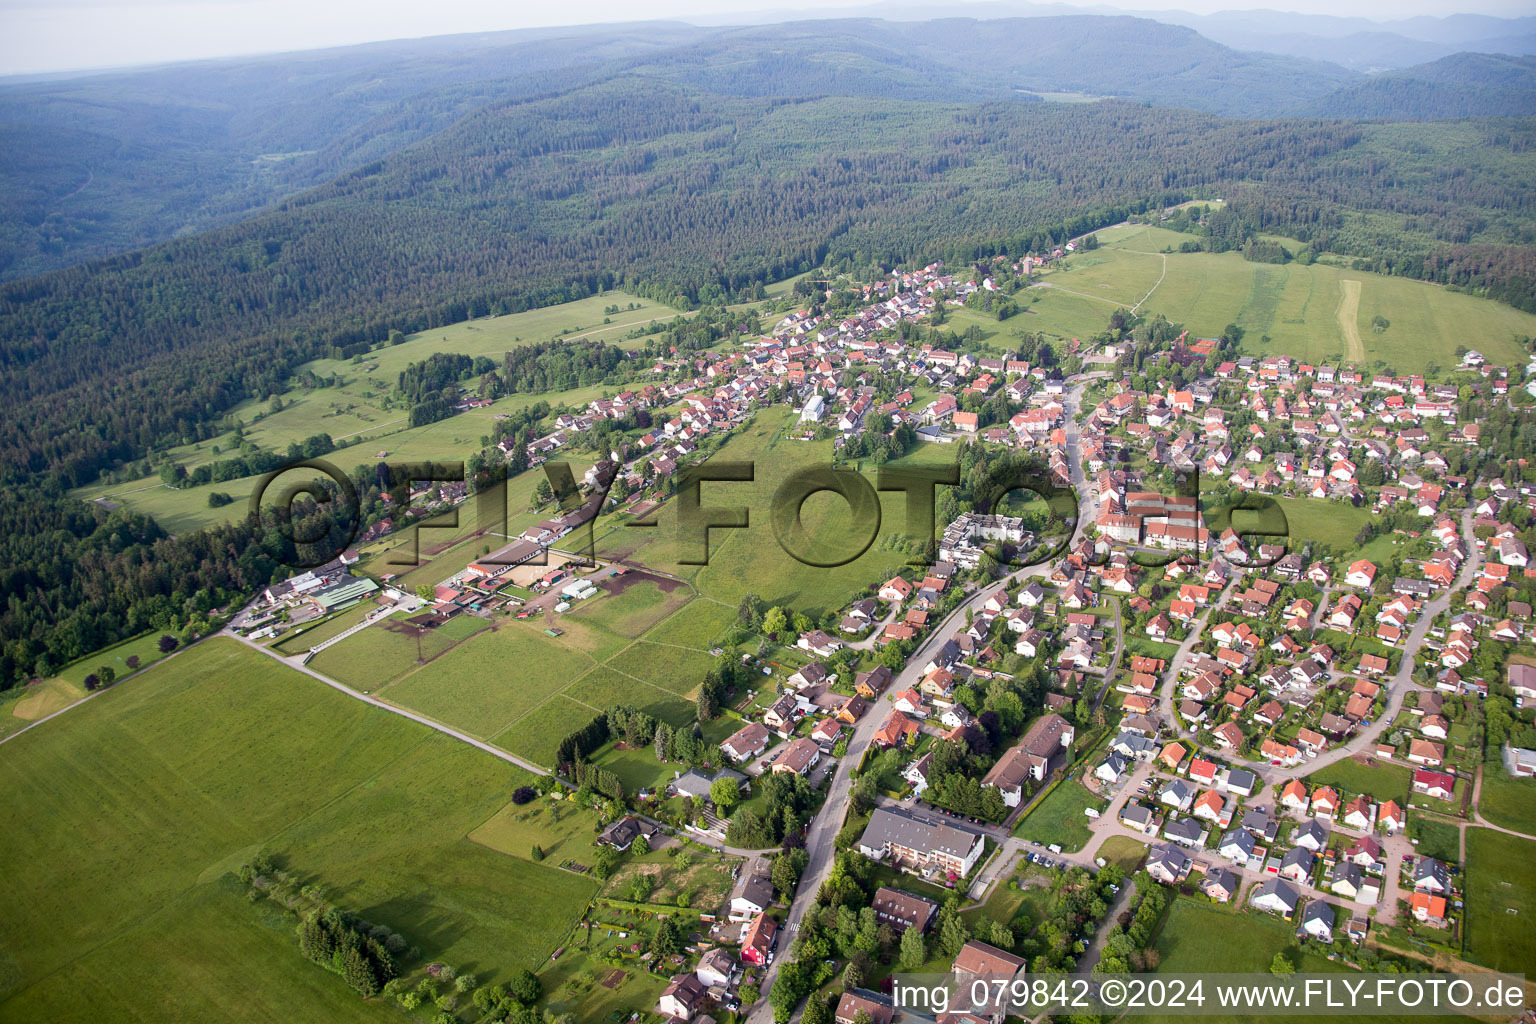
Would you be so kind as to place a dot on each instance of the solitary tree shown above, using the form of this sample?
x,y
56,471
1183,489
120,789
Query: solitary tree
x,y
724,794
914,951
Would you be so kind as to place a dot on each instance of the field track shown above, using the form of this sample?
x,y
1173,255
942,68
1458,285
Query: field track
x,y
1349,320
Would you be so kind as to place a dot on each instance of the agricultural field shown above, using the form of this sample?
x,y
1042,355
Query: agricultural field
x,y
675,669
630,604
26,704
125,894
604,687
537,734
697,624
561,829
1501,900
1317,313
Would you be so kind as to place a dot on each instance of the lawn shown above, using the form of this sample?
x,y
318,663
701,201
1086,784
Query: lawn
x,y
1020,909
1124,851
121,911
1500,885
1059,818
638,769
486,683
1381,781
1320,313
1506,802
1438,839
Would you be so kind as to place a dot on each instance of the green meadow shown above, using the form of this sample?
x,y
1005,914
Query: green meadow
x,y
358,412
1317,313
130,812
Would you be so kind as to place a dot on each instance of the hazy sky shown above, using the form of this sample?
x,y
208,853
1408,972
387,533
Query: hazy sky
x,y
49,35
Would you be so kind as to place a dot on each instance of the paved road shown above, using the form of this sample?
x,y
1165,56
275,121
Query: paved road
x,y
823,830
92,696
297,664
1398,687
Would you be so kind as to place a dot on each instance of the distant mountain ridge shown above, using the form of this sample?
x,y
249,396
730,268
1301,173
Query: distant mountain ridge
x,y
1462,85
101,164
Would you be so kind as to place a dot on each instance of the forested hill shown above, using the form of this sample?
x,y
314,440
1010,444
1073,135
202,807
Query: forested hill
x,y
1462,85
106,163
688,196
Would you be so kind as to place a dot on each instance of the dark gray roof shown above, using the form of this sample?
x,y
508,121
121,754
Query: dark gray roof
x,y
901,828
1280,888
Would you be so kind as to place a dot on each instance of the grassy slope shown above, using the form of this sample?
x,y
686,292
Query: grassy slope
x,y
130,815
1296,306
356,409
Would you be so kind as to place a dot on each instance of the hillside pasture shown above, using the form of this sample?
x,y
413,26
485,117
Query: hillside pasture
x,y
1304,311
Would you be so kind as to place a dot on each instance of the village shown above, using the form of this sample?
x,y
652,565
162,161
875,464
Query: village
x,y
1246,707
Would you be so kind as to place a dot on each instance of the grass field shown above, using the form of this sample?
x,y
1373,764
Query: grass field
x,y
751,559
560,828
536,735
129,813
372,657
697,624
1204,937
1506,802
1306,312
1124,851
358,412
1438,839
309,636
604,687
1381,781
675,669
146,648
630,608
1501,900
483,685
1059,817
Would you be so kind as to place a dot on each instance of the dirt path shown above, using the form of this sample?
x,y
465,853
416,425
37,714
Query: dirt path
x,y
1349,321
1159,281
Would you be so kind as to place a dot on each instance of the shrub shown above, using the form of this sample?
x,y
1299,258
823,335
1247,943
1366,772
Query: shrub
x,y
524,794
